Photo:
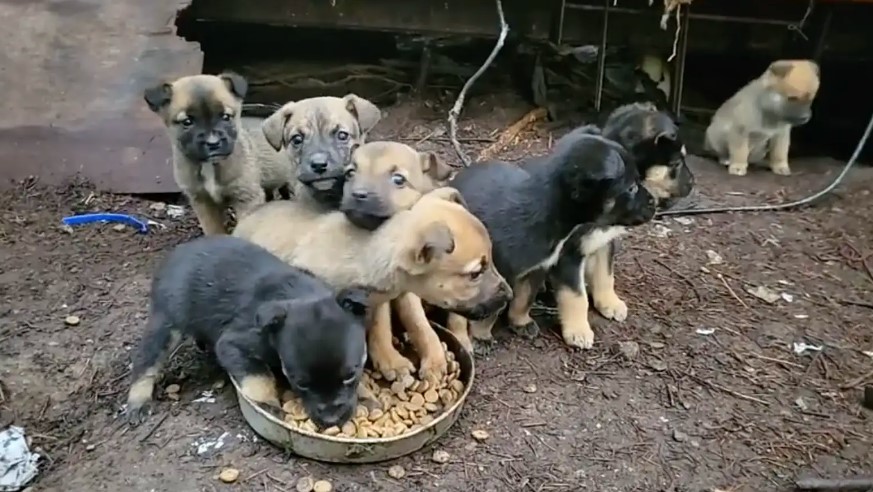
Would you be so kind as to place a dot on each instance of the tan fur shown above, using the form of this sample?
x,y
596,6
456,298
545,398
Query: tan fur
x,y
519,309
573,314
319,116
739,132
237,181
457,325
427,251
261,388
601,280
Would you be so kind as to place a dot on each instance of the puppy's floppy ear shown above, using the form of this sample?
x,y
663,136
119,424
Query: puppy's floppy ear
x,y
781,68
367,113
355,300
434,167
270,315
448,194
158,96
274,126
434,241
668,141
235,83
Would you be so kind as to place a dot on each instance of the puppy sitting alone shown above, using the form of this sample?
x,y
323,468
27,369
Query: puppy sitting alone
x,y
547,217
218,161
436,250
318,136
261,317
758,119
382,179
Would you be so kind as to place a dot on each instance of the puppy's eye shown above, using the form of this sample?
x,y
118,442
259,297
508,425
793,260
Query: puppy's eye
x,y
350,173
302,386
297,139
398,179
226,117
187,122
349,380
342,136
632,189
475,275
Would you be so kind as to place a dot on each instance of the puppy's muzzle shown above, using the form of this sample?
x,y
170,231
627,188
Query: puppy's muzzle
x,y
326,415
215,145
364,209
490,306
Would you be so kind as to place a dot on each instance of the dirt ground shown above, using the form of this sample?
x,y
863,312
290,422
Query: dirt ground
x,y
706,393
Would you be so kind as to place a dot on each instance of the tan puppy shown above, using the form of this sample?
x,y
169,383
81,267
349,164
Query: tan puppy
x,y
758,119
382,179
318,135
436,250
217,160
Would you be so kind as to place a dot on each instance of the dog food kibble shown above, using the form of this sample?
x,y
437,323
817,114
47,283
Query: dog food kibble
x,y
305,484
440,456
229,475
173,388
72,321
397,472
480,435
387,409
322,486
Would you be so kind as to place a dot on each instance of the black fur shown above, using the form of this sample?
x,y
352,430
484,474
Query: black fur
x,y
652,136
260,316
528,210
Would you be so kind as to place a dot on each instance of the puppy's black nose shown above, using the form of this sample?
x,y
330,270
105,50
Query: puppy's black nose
x,y
360,194
213,142
318,163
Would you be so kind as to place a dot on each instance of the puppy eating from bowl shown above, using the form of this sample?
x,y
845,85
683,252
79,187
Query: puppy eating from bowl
x,y
546,217
382,179
436,250
319,135
260,317
220,159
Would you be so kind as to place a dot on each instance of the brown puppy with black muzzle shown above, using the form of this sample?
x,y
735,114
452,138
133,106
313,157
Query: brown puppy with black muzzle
x,y
436,250
758,119
219,158
382,179
318,135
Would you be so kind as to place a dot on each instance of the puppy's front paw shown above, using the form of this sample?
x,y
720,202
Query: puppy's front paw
x,y
780,168
738,168
610,306
392,365
528,330
433,365
578,335
484,348
136,415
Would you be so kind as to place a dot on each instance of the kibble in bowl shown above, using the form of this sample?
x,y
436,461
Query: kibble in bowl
x,y
392,418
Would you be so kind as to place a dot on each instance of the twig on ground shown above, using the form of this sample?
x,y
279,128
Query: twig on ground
x,y
857,381
734,294
459,103
859,483
154,428
511,132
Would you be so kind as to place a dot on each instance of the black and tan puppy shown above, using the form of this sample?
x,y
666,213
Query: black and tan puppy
x,y
318,135
652,137
758,119
383,178
219,159
436,250
261,317
547,217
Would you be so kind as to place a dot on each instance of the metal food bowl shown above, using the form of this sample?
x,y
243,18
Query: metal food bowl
x,y
335,449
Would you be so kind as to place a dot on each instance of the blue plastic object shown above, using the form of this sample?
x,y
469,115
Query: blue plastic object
x,y
141,226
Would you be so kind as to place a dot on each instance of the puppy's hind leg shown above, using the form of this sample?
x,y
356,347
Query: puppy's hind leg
x,y
423,337
236,351
209,214
524,293
600,277
572,299
386,359
161,338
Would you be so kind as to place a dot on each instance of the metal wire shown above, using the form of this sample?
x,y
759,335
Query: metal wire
x,y
782,206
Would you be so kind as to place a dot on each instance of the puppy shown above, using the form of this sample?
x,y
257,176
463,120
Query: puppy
x,y
260,316
547,217
758,119
382,179
218,161
318,135
436,250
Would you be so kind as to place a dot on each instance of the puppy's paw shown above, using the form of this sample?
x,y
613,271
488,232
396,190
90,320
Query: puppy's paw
x,y
781,168
610,306
136,415
579,335
393,366
484,348
738,168
433,366
465,342
528,330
